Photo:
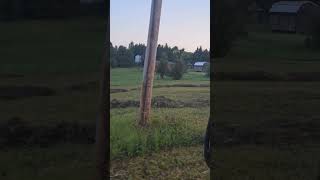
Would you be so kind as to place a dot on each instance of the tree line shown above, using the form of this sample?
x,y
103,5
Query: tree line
x,y
121,56
230,18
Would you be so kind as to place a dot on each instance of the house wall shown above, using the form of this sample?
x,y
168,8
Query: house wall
x,y
283,22
299,22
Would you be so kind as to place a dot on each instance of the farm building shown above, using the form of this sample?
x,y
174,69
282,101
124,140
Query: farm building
x,y
138,59
200,66
292,16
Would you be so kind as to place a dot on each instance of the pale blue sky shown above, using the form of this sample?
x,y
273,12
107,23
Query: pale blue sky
x,y
184,23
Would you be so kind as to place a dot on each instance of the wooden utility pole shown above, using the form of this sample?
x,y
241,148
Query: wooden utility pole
x,y
103,123
149,62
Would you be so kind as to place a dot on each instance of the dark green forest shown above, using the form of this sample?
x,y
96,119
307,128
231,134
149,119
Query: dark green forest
x,y
121,56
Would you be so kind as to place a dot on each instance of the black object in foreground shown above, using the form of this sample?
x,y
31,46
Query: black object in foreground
x,y
208,144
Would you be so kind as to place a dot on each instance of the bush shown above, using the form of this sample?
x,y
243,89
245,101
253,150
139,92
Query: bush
x,y
207,70
113,62
178,70
124,57
162,69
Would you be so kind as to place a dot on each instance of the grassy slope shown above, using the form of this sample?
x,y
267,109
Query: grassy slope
x,y
265,51
54,46
67,66
132,78
56,54
169,128
283,144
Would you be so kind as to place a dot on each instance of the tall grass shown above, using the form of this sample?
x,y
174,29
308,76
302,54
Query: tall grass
x,y
168,128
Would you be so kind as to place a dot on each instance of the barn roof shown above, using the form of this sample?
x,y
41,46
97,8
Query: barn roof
x,y
200,63
288,6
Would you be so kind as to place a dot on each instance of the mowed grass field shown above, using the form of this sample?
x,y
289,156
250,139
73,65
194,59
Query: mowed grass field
x,y
61,55
64,56
268,129
171,146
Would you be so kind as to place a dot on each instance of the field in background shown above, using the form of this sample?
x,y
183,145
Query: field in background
x,y
247,146
59,103
49,93
268,129
52,46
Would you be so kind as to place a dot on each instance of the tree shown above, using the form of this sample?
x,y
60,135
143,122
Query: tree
x,y
187,57
113,53
162,68
178,70
206,55
124,57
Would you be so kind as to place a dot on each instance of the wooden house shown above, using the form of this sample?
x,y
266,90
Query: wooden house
x,y
292,16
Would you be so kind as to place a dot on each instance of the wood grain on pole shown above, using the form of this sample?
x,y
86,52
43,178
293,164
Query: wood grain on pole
x,y
149,62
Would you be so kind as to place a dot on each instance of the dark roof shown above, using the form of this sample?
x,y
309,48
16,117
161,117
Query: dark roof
x,y
288,6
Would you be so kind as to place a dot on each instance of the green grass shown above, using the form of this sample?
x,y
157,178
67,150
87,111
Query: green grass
x,y
258,162
59,54
132,78
271,52
273,46
61,46
71,107
168,128
282,116
176,93
176,163
63,161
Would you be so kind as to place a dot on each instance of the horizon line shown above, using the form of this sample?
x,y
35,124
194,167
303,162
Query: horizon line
x,y
127,46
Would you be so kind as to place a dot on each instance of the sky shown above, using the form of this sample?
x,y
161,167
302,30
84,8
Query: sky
x,y
184,23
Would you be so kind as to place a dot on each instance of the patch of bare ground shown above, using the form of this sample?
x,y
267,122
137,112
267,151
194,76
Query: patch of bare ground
x,y
118,90
177,163
159,102
176,85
